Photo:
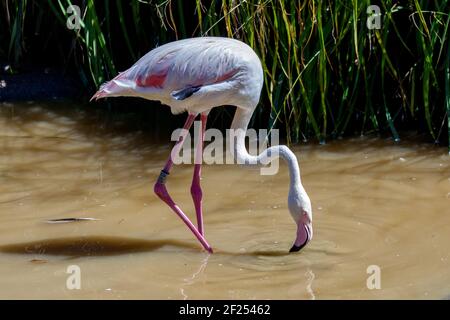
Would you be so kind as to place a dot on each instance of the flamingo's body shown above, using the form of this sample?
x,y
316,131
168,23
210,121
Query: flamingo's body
x,y
195,75
222,70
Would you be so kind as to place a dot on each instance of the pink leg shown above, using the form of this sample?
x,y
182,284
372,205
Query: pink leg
x,y
161,191
196,190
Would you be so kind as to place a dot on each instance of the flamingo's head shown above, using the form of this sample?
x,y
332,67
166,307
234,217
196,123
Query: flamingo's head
x,y
300,208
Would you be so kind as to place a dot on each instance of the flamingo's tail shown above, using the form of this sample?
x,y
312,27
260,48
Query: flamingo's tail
x,y
119,86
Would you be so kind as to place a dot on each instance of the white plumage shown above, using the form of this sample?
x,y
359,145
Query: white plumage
x,y
227,71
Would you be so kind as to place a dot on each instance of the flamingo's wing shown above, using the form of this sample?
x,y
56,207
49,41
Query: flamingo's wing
x,y
149,72
184,93
175,70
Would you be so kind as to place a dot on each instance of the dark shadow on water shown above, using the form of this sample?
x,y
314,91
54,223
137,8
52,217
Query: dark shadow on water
x,y
94,246
110,246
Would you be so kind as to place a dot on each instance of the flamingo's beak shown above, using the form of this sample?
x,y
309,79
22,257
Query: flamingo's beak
x,y
304,235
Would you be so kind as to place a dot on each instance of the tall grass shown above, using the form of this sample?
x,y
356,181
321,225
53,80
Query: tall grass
x,y
326,74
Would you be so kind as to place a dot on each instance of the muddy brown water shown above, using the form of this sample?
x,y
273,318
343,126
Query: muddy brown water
x,y
374,203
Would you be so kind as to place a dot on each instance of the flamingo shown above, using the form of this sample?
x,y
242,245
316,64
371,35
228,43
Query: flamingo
x,y
195,75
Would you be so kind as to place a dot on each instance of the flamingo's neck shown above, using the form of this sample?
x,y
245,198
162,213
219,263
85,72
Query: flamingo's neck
x,y
239,125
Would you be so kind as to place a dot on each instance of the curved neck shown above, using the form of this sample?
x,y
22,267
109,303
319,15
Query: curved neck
x,y
239,125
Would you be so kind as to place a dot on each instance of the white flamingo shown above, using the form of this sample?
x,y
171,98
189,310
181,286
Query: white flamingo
x,y
195,75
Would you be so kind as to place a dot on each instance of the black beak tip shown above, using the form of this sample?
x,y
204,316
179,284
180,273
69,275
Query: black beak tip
x,y
298,248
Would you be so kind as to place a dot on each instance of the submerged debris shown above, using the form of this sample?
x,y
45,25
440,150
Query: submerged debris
x,y
68,220
38,261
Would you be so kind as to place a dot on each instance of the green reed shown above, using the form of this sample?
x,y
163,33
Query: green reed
x,y
326,74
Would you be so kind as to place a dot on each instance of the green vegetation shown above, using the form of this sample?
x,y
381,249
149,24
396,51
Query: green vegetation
x,y
326,73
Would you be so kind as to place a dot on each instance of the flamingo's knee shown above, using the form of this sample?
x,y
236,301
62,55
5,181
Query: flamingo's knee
x,y
160,187
160,190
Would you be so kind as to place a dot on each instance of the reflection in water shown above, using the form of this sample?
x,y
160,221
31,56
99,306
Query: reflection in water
x,y
192,279
374,203
309,281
